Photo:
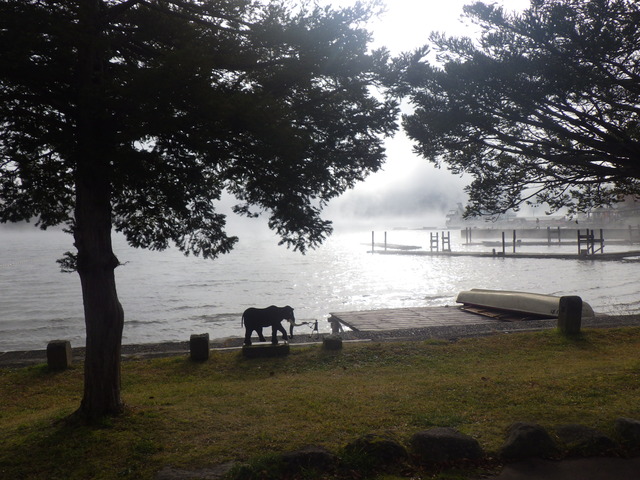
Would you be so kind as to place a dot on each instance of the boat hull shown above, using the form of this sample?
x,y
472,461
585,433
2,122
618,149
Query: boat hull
x,y
521,302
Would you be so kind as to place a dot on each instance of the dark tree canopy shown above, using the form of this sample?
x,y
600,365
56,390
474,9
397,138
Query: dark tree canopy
x,y
544,108
188,98
138,114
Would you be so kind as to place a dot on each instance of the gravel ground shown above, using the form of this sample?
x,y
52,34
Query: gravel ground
x,y
454,332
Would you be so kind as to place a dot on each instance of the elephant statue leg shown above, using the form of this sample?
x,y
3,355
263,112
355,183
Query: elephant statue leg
x,y
247,337
274,333
259,330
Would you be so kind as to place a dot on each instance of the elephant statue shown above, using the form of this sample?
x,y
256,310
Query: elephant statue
x,y
258,318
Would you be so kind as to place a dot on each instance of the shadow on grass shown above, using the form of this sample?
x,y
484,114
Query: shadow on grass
x,y
66,448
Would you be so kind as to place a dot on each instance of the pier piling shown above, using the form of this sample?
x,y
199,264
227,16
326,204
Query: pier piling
x,y
434,241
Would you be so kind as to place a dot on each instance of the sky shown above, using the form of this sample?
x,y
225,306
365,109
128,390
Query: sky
x,y
408,189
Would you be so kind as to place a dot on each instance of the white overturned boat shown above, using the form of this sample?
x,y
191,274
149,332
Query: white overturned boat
x,y
525,303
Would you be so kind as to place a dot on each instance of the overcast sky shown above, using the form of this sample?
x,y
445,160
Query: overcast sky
x,y
408,182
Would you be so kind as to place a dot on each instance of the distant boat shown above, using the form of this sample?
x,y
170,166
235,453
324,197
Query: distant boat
x,y
537,304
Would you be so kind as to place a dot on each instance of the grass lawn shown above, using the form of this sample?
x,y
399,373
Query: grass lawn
x,y
191,415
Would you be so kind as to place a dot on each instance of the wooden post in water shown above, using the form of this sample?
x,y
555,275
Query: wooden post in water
x,y
601,240
503,245
467,235
514,241
579,243
588,239
434,242
446,242
385,241
372,240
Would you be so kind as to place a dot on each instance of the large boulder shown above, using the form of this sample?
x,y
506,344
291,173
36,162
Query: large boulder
x,y
444,444
628,432
377,449
584,441
525,440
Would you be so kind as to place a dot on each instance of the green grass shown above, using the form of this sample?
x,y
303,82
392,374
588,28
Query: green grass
x,y
191,415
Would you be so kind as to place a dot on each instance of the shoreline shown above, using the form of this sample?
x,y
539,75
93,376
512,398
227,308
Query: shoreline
x,y
23,358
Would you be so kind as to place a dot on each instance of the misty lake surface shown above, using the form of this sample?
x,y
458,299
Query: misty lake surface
x,y
167,296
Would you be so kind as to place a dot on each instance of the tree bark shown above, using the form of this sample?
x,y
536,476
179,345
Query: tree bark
x,y
103,313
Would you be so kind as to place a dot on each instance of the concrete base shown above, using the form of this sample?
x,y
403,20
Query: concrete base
x,y
59,355
265,350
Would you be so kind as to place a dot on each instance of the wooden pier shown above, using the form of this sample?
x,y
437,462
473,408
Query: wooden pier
x,y
499,254
454,322
590,246
407,318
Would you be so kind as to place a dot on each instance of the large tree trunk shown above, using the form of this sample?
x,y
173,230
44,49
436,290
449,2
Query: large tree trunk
x,y
104,317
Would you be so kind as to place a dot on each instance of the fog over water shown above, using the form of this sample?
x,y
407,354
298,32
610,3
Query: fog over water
x,y
167,297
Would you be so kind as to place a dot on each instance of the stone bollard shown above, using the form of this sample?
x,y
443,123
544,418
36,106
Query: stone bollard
x,y
570,315
199,347
59,355
332,342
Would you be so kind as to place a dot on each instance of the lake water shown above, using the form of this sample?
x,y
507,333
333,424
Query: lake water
x,y
167,297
